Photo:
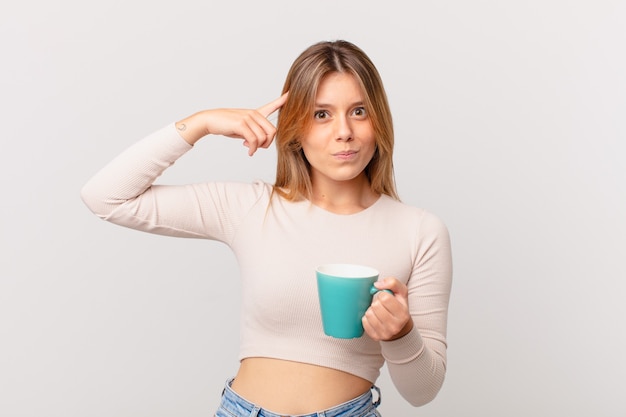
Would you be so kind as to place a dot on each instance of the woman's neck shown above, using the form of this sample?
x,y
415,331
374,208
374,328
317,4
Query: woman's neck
x,y
343,197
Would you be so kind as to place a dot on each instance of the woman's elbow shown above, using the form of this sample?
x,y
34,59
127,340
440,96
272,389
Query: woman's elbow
x,y
95,201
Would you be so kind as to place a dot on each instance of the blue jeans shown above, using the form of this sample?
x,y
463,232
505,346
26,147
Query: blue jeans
x,y
233,405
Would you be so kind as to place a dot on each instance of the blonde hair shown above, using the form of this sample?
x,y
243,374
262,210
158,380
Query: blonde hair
x,y
293,180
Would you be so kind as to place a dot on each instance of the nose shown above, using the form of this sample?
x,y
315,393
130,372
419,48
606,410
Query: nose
x,y
343,129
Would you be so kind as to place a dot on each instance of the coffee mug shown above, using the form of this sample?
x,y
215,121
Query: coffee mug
x,y
345,293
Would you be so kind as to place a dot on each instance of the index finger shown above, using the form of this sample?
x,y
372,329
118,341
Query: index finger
x,y
392,284
272,106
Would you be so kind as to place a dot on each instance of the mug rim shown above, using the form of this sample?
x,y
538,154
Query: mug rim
x,y
347,270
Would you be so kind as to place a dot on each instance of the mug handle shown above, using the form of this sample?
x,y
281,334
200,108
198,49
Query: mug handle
x,y
374,290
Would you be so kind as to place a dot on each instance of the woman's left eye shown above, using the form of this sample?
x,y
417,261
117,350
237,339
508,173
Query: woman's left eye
x,y
359,111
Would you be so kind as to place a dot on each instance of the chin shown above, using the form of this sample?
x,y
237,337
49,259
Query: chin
x,y
346,177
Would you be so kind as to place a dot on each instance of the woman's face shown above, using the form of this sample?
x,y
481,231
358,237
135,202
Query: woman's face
x,y
341,141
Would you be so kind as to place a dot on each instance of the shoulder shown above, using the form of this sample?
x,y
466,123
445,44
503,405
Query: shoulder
x,y
241,187
412,217
238,193
255,188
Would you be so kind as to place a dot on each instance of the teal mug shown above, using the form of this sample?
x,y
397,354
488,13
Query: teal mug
x,y
345,293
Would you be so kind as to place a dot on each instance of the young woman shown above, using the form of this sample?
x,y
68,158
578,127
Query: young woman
x,y
333,201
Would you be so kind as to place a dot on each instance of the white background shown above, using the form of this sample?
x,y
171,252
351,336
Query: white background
x,y
510,121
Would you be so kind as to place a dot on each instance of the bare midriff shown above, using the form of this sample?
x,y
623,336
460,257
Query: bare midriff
x,y
295,388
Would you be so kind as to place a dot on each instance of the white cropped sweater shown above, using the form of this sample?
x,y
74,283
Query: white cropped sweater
x,y
278,244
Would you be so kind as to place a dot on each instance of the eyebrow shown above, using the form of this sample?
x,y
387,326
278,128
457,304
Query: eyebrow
x,y
330,106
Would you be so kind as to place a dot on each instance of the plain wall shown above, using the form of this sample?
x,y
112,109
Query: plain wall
x,y
509,124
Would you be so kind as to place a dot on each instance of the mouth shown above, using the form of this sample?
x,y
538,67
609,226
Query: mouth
x,y
345,153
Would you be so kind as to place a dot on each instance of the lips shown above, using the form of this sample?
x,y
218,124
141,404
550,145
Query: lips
x,y
345,153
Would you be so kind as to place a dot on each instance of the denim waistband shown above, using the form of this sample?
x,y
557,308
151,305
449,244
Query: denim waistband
x,y
238,406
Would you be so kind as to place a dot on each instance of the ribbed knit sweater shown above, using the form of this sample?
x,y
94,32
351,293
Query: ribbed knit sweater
x,y
278,244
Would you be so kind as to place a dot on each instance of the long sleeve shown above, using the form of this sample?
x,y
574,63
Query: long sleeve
x,y
286,324
417,361
124,193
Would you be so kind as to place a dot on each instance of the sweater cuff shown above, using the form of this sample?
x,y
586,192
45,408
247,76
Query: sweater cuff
x,y
180,145
406,349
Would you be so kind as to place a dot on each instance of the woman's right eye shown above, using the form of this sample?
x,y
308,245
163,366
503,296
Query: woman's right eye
x,y
320,114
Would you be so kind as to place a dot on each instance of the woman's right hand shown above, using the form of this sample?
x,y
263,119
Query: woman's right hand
x,y
250,125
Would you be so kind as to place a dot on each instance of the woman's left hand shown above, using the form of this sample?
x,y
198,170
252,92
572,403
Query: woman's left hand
x,y
388,317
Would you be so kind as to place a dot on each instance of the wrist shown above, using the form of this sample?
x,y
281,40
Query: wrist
x,y
192,128
405,330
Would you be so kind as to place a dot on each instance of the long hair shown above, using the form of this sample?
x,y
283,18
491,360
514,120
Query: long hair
x,y
293,180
